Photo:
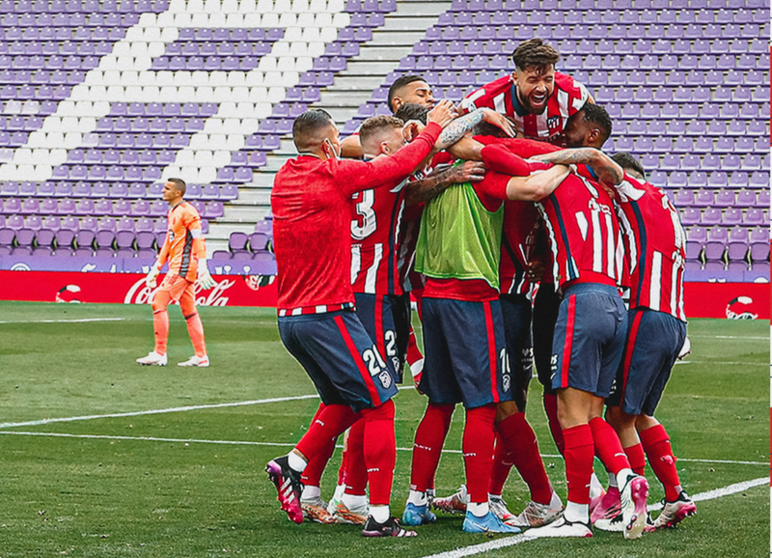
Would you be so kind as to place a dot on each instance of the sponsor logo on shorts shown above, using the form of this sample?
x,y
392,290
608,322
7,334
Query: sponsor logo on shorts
x,y
554,363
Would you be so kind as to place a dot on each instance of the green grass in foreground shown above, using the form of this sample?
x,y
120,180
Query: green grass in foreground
x,y
105,497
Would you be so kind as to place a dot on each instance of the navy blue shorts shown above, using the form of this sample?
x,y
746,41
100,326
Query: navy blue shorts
x,y
654,340
465,351
546,306
589,338
339,356
387,320
516,310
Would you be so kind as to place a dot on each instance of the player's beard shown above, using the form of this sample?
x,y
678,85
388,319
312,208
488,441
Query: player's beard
x,y
533,109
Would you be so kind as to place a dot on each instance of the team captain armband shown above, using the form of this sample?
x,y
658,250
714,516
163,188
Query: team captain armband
x,y
501,159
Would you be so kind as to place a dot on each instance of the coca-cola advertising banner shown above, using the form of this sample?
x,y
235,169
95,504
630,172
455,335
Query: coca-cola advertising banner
x,y
701,300
129,288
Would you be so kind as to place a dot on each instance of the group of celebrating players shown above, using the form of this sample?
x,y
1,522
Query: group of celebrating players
x,y
514,235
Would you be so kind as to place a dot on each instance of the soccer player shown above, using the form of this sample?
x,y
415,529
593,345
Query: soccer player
x,y
405,89
655,243
311,207
458,250
588,343
185,250
537,98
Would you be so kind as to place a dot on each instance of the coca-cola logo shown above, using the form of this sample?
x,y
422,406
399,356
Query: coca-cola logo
x,y
139,293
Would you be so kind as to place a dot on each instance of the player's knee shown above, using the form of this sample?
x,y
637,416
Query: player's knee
x,y
384,411
506,409
158,305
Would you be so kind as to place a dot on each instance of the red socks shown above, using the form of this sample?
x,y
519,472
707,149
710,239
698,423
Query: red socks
x,y
520,440
608,448
427,448
380,451
579,454
636,458
656,443
502,464
328,424
356,469
479,435
312,474
551,408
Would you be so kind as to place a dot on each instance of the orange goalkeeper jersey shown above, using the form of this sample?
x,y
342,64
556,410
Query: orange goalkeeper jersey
x,y
184,243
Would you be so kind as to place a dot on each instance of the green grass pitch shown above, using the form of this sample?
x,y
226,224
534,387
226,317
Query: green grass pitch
x,y
157,484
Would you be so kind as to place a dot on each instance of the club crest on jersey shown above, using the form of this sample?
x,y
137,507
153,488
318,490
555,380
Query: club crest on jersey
x,y
506,382
553,122
385,379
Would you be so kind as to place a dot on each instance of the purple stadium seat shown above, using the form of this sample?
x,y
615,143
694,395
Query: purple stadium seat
x,y
718,237
258,241
711,216
725,198
732,216
754,217
683,198
703,198
690,216
759,244
737,244
237,241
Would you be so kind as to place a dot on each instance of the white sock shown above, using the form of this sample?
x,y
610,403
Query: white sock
x,y
417,498
311,493
478,509
612,480
354,501
296,462
596,488
622,477
380,514
577,512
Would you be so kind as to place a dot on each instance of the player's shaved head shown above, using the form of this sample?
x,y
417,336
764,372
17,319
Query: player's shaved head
x,y
311,128
410,89
178,184
589,127
412,111
380,130
630,164
534,53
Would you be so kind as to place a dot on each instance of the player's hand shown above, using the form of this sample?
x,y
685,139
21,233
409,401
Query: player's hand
x,y
443,113
151,280
535,270
469,171
411,129
205,280
499,120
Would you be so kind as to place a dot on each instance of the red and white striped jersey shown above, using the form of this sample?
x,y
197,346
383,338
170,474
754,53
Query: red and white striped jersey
x,y
517,244
375,230
500,95
655,247
583,233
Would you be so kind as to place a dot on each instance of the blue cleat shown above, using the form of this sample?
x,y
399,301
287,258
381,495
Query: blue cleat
x,y
417,515
489,523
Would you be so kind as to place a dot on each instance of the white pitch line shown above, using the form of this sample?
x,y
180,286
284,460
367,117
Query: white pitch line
x,y
525,537
728,337
283,444
721,362
156,411
161,411
80,320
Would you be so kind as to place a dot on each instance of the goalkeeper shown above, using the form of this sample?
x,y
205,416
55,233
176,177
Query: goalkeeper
x,y
185,250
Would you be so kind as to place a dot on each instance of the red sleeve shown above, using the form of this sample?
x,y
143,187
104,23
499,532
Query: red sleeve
x,y
354,176
492,189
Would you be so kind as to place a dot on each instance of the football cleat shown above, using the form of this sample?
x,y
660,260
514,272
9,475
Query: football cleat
x,y
417,515
609,506
336,497
152,359
597,499
498,506
537,515
649,528
675,512
613,524
357,516
316,511
390,528
633,495
561,527
456,503
488,523
201,362
288,485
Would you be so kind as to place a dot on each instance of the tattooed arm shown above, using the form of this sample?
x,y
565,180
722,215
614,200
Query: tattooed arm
x,y
425,189
604,167
536,186
460,126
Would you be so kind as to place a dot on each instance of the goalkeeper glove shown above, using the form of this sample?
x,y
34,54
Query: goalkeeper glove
x,y
205,280
152,276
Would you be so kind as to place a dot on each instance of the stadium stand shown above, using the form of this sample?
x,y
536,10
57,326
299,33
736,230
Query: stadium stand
x,y
100,101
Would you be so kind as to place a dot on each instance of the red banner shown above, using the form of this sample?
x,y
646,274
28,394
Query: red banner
x,y
702,300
